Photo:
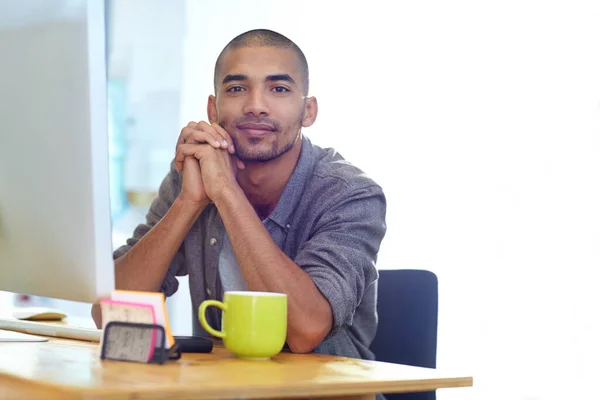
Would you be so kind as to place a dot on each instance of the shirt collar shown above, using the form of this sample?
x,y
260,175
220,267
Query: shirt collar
x,y
292,193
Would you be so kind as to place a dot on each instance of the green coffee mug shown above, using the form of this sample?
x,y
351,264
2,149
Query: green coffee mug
x,y
254,323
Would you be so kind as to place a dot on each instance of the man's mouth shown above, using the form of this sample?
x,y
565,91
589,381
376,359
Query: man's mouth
x,y
256,129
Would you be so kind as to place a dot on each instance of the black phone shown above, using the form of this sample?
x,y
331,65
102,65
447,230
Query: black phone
x,y
193,344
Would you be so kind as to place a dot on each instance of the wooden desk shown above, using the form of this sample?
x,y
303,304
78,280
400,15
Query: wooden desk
x,y
68,369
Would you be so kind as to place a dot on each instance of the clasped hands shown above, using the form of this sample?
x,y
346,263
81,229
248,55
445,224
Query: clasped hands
x,y
206,155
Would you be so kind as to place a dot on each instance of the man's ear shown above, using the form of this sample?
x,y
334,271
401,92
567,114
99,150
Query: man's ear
x,y
311,109
211,109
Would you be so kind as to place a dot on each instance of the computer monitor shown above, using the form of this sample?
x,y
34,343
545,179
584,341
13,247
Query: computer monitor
x,y
55,229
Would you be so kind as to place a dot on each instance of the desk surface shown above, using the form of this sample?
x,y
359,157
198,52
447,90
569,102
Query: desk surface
x,y
69,369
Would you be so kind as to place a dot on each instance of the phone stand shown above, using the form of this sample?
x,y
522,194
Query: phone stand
x,y
144,343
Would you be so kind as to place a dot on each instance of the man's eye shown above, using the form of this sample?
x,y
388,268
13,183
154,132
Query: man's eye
x,y
280,89
235,89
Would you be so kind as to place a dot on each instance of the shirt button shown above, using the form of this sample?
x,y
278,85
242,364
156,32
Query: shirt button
x,y
213,241
288,226
208,292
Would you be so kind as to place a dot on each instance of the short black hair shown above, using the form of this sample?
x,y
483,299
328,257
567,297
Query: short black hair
x,y
264,38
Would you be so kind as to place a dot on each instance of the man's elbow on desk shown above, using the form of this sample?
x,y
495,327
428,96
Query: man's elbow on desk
x,y
306,338
303,344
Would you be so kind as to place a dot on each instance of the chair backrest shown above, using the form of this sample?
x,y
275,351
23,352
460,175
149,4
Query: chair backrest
x,y
408,317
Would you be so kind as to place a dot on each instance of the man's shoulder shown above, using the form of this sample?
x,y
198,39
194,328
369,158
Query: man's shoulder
x,y
333,172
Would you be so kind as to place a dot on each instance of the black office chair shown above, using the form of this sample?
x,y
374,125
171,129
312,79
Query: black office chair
x,y
408,317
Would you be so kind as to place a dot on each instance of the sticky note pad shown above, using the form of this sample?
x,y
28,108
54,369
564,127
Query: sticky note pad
x,y
156,300
125,342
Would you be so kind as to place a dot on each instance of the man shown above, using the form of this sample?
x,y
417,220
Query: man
x,y
251,204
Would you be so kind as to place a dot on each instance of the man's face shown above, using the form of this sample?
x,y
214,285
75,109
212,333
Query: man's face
x,y
259,101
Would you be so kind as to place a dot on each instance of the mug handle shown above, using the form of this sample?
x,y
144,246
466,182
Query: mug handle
x,y
202,314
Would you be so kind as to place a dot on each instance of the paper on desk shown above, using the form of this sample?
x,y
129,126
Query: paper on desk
x,y
11,336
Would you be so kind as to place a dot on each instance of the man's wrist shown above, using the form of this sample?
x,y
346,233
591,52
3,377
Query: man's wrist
x,y
228,195
189,208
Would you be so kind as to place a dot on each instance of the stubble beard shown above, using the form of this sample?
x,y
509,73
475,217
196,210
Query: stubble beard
x,y
252,151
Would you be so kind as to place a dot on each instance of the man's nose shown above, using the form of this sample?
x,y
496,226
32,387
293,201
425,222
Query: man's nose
x,y
256,104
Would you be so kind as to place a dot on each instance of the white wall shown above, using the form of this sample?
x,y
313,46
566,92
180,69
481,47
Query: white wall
x,y
480,120
146,51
